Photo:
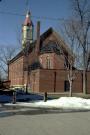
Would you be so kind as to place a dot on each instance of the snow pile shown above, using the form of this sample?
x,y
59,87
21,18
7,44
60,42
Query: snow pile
x,y
66,103
72,103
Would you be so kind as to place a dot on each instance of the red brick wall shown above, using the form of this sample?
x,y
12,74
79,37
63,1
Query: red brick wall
x,y
56,61
46,81
43,60
61,76
77,83
88,82
16,72
34,81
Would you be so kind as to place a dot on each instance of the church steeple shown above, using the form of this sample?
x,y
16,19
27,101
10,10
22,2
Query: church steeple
x,y
27,30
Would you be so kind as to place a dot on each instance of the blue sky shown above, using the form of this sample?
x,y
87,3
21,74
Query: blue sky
x,y
10,25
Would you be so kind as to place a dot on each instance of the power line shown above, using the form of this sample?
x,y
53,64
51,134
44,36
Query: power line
x,y
10,13
37,17
48,18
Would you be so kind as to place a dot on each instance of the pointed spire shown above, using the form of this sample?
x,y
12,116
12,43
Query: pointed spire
x,y
28,21
27,30
28,14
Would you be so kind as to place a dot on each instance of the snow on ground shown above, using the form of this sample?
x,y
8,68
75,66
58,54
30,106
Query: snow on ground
x,y
67,103
74,103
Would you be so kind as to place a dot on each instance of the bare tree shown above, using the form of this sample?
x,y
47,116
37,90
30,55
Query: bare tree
x,y
72,59
81,30
6,54
71,38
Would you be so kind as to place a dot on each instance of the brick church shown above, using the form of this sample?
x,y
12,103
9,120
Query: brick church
x,y
42,64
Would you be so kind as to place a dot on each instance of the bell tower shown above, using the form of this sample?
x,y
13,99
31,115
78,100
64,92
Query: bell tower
x,y
27,30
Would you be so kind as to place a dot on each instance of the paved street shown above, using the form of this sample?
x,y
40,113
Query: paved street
x,y
46,124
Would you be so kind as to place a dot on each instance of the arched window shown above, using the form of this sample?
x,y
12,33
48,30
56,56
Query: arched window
x,y
48,62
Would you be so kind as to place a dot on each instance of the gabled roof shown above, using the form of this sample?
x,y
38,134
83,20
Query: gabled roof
x,y
46,34
63,44
16,57
31,46
59,41
28,49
